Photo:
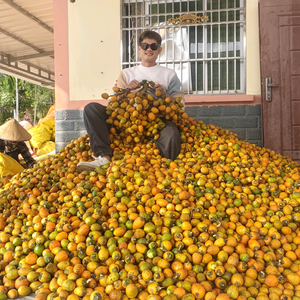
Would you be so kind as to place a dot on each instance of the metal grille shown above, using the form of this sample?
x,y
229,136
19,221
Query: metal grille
x,y
209,58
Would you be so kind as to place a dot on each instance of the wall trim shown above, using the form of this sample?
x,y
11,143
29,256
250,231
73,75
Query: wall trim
x,y
222,100
207,100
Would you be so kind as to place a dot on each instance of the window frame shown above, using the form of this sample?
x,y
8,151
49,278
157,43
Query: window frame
x,y
208,84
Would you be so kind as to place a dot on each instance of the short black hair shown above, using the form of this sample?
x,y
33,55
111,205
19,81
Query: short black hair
x,y
150,35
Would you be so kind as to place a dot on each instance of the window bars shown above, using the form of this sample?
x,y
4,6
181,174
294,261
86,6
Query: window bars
x,y
208,57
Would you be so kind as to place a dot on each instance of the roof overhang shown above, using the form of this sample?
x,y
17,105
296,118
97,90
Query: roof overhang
x,y
27,41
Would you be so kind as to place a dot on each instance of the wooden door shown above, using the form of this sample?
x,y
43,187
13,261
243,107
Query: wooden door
x,y
280,60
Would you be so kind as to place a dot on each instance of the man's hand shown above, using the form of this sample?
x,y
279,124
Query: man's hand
x,y
158,86
133,85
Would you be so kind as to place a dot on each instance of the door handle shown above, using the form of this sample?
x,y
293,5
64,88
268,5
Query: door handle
x,y
269,86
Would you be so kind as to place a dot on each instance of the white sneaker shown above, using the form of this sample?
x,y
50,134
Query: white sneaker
x,y
92,165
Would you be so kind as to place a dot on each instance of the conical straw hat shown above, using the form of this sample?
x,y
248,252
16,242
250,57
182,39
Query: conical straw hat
x,y
13,131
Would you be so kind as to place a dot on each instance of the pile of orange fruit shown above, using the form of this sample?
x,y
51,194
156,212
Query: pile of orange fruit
x,y
137,116
219,222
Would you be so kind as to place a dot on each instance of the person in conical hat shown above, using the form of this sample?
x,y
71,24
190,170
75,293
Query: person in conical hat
x,y
12,142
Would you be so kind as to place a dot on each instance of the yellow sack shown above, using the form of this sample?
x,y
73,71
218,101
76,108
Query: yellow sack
x,y
53,135
50,115
9,166
46,148
40,135
48,123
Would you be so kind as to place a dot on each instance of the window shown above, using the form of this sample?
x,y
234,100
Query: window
x,y
209,57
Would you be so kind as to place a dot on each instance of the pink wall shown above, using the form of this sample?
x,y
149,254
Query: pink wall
x,y
61,52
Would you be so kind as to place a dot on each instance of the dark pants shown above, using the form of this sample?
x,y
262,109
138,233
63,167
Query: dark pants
x,y
95,117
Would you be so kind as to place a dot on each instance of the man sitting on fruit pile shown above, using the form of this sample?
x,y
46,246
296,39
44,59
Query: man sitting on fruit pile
x,y
165,80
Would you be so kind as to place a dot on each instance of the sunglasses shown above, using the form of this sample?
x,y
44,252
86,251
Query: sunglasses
x,y
153,46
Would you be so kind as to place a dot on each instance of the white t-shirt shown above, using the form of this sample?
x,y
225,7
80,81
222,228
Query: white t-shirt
x,y
158,74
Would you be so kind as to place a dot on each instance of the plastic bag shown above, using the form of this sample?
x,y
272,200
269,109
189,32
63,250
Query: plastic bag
x,y
9,166
46,148
40,135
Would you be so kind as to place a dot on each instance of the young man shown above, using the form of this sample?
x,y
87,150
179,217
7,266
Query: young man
x,y
165,79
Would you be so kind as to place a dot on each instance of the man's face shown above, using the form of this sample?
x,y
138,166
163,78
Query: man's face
x,y
149,56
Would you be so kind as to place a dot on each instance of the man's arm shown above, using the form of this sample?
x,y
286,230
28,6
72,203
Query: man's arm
x,y
174,87
121,83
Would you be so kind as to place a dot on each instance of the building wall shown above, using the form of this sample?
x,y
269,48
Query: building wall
x,y
244,120
87,63
94,48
